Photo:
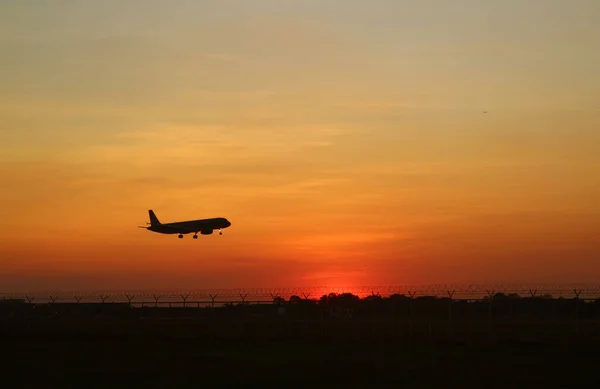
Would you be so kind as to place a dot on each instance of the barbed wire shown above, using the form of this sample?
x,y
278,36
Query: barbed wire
x,y
455,291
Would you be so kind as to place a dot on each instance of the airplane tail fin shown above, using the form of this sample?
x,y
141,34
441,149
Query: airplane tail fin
x,y
153,219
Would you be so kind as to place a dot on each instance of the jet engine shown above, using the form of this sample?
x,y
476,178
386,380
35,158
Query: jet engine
x,y
206,232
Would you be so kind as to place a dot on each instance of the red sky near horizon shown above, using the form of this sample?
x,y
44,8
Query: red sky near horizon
x,y
346,146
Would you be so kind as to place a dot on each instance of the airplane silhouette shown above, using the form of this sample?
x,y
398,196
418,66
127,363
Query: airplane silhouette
x,y
203,226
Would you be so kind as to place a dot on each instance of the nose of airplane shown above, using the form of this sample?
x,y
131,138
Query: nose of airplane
x,y
227,222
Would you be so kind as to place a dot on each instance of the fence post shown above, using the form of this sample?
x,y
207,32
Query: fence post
x,y
470,320
411,320
491,296
305,311
393,318
322,319
532,292
184,298
577,305
450,303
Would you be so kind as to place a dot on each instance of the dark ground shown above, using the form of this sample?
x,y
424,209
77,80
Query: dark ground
x,y
57,356
108,346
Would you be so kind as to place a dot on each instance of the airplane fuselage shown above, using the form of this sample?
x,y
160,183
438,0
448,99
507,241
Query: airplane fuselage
x,y
203,226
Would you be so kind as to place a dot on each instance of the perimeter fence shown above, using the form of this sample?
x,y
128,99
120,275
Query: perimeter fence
x,y
512,311
221,297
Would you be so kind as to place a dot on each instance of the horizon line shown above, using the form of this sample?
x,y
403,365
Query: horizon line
x,y
362,289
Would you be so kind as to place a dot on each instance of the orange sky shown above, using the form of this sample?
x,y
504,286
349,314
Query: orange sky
x,y
346,146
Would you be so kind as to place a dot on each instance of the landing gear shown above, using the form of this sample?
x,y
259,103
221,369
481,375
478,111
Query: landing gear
x,y
220,232
195,236
180,236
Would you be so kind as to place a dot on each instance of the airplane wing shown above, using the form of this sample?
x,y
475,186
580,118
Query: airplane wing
x,y
176,229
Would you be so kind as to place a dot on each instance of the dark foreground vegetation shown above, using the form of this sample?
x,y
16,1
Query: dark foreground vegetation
x,y
337,341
